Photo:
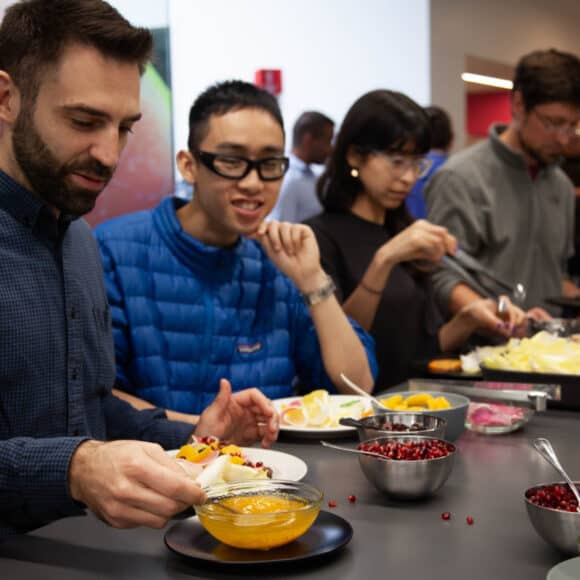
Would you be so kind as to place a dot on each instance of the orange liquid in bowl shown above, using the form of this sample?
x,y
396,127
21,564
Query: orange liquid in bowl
x,y
264,522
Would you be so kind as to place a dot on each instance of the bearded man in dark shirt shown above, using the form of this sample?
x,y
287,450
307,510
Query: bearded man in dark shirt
x,y
69,97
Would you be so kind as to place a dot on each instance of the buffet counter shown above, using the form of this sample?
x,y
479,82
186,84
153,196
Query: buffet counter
x,y
391,539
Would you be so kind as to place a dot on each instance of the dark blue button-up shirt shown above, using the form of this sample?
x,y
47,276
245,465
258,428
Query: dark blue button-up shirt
x,y
57,363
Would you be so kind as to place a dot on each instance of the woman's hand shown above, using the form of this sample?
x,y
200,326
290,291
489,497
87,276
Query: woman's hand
x,y
421,241
500,317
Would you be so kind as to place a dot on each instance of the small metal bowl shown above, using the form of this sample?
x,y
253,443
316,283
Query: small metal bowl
x,y
559,528
397,424
406,479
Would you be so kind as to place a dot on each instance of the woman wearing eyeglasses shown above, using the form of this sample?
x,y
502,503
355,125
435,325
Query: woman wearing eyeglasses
x,y
204,292
378,256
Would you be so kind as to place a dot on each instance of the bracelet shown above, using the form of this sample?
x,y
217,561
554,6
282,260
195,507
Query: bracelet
x,y
321,294
371,290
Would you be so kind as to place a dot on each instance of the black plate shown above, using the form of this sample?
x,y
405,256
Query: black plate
x,y
328,533
570,384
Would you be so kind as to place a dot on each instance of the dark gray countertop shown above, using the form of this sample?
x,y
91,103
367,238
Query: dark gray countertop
x,y
391,540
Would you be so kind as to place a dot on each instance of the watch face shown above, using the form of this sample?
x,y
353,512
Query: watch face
x,y
316,296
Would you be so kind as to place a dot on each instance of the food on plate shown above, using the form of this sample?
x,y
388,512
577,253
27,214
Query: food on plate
x,y
445,365
542,353
317,409
494,415
415,402
209,461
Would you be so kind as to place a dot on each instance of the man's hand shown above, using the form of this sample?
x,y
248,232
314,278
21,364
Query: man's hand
x,y
294,251
130,483
243,417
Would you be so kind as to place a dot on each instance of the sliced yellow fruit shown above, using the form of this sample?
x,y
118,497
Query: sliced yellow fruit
x,y
390,402
195,452
230,450
317,404
295,416
439,403
420,400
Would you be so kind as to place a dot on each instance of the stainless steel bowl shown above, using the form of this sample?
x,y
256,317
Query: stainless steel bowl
x,y
403,479
559,528
455,415
384,423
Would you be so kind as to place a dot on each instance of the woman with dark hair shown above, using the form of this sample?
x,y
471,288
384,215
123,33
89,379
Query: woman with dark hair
x,y
377,255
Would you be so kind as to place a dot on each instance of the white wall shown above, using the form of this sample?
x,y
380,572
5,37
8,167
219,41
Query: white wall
x,y
497,30
330,51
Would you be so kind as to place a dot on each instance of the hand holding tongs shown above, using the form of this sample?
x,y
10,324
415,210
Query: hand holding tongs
x,y
464,264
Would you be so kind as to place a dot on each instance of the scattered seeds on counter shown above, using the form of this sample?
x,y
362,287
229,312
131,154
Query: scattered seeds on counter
x,y
446,516
469,520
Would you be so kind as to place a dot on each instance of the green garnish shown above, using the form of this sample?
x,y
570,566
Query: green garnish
x,y
349,403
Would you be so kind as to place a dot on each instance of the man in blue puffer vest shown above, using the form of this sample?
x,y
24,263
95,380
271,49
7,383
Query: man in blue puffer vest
x,y
206,291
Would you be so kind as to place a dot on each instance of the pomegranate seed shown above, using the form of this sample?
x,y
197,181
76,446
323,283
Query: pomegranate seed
x,y
557,497
352,498
332,504
446,516
469,520
410,450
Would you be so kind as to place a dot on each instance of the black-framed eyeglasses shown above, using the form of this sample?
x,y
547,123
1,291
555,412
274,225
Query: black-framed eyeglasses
x,y
236,167
557,126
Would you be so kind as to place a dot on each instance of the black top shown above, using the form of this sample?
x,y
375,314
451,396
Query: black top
x,y
407,319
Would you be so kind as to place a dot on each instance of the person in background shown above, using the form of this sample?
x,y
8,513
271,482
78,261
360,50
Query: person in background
x,y
506,199
311,144
69,97
205,289
377,255
571,167
441,142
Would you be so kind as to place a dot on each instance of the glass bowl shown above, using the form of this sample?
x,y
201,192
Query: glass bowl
x,y
267,513
496,419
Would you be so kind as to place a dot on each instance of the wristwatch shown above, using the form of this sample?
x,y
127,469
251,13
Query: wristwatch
x,y
320,294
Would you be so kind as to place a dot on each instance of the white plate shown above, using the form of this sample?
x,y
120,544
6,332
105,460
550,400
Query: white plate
x,y
316,432
567,570
283,465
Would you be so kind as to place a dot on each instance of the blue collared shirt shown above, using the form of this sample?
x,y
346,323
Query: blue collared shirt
x,y
57,363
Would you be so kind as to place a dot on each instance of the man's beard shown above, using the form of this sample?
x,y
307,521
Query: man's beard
x,y
47,176
542,160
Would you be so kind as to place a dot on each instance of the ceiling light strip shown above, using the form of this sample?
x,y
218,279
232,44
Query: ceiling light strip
x,y
488,81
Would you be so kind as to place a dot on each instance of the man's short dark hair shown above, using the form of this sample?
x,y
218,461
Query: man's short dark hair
x,y
224,97
548,76
441,129
34,34
311,122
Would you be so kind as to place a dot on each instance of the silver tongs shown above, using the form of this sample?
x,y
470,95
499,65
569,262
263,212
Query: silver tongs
x,y
464,264
535,396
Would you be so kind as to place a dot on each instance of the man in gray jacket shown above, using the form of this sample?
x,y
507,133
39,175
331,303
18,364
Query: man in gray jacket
x,y
506,199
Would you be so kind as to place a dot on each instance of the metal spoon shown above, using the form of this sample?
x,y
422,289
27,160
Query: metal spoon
x,y
545,449
225,507
357,451
376,404
519,294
